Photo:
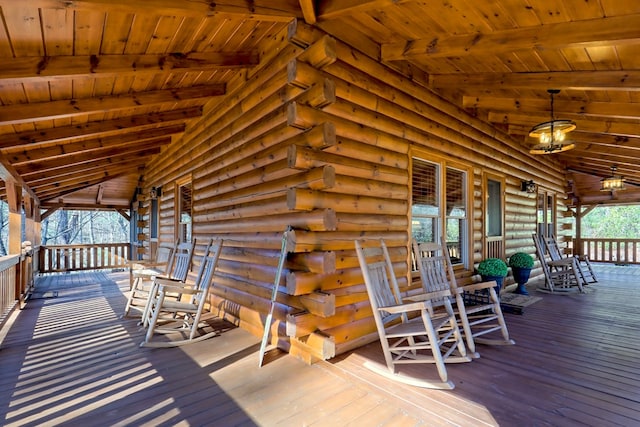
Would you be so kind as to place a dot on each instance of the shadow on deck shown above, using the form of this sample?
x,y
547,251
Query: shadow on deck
x,y
71,360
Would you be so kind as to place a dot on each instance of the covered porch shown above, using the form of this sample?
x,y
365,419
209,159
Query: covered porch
x,y
69,359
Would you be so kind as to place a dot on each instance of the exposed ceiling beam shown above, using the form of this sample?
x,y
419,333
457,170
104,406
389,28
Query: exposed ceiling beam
x,y
24,113
66,191
607,140
19,157
77,180
308,11
602,126
8,174
269,10
152,146
81,206
530,105
117,126
34,69
331,9
100,193
104,167
587,33
627,80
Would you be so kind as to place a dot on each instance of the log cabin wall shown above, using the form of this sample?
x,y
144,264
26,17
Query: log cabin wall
x,y
320,137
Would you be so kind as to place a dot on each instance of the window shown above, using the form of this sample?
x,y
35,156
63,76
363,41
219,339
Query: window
x,y
184,211
546,214
494,217
494,208
439,206
153,227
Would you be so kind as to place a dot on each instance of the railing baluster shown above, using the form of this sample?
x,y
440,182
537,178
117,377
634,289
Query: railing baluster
x,y
60,258
611,250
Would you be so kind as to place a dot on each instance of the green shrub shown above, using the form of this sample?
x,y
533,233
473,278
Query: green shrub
x,y
492,267
521,260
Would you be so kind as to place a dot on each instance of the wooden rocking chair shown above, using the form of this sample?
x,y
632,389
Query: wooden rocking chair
x,y
561,276
169,316
144,286
426,338
582,263
141,274
477,320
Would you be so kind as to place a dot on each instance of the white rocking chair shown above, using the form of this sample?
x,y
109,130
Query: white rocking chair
x,y
168,316
481,322
144,286
426,338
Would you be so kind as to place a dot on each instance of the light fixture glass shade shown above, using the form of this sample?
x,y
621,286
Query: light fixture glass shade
x,y
552,134
614,182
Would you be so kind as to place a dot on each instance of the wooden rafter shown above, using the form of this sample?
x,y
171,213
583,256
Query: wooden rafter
x,y
24,113
615,110
51,151
612,127
330,9
33,69
104,128
104,166
628,80
586,33
61,192
308,11
271,10
152,146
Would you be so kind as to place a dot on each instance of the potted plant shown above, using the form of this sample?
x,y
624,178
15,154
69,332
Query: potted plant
x,y
493,269
521,264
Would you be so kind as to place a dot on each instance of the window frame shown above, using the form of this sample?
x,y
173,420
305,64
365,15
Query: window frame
x,y
440,229
493,240
183,230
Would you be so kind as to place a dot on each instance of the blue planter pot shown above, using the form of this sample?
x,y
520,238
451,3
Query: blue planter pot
x,y
499,281
521,276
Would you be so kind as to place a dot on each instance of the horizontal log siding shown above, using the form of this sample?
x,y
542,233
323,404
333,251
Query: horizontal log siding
x,y
322,142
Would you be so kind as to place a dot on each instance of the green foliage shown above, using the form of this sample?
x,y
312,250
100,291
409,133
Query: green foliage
x,y
492,267
521,260
616,222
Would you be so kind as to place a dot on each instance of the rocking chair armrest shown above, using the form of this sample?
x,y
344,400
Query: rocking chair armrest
x,y
142,264
434,295
166,281
181,289
561,262
146,273
405,308
478,286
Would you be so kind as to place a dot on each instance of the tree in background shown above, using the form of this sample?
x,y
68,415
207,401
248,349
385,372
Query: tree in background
x,y
84,227
617,222
73,227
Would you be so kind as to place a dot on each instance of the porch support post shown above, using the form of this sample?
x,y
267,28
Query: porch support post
x,y
14,199
577,249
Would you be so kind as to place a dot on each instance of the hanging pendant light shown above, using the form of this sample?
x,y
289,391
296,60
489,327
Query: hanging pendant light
x,y
612,183
552,134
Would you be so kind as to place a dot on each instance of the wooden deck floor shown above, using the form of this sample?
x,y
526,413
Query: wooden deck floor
x,y
71,360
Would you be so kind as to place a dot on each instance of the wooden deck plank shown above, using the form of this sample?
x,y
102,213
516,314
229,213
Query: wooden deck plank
x,y
71,359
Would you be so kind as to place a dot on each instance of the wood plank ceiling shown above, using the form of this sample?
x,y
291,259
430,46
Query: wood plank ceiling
x,y
91,89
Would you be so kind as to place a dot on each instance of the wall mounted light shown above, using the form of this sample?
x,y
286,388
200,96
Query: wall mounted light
x,y
155,192
528,186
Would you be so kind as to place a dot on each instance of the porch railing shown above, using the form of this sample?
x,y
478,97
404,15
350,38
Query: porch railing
x,y
8,288
623,251
62,258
